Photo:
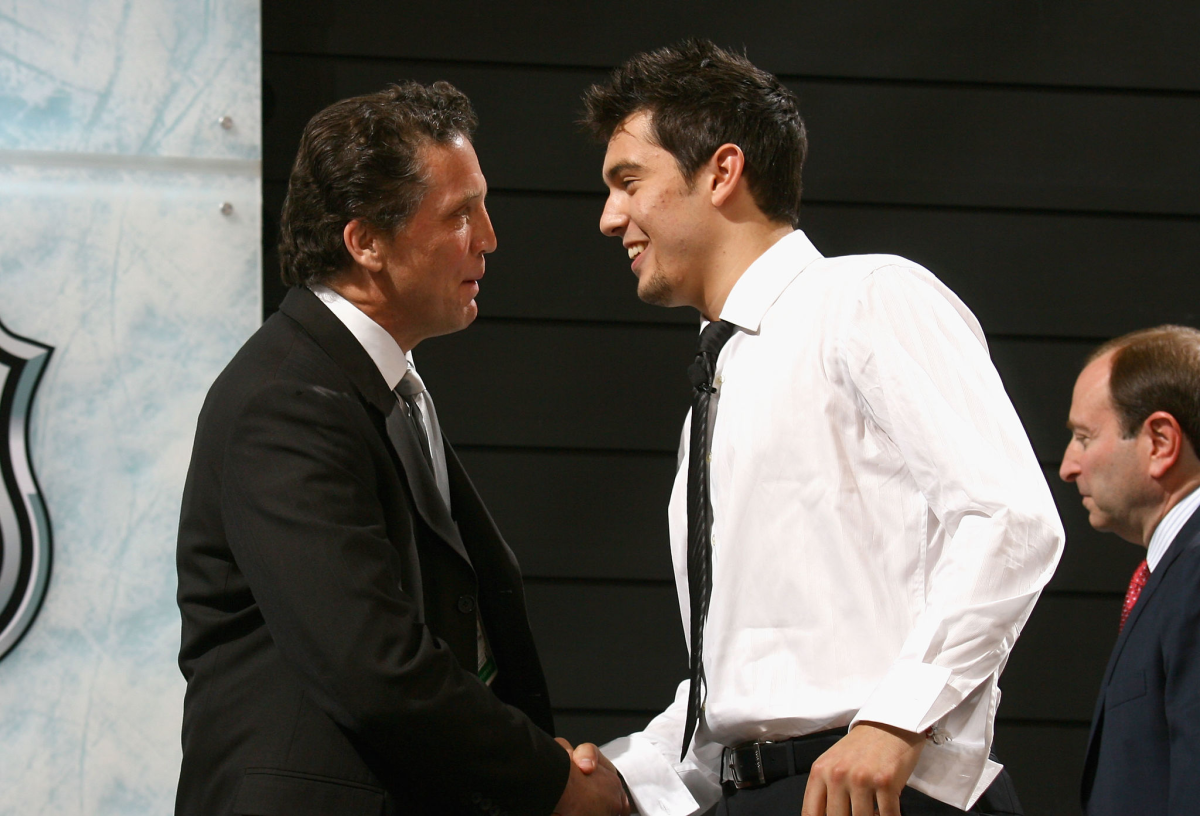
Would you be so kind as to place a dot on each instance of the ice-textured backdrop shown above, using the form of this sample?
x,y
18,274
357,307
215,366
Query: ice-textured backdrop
x,y
115,250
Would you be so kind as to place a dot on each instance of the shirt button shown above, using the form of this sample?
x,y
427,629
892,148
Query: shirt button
x,y
708,457
466,604
720,379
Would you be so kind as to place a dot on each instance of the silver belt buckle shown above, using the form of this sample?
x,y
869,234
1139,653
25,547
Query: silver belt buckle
x,y
731,765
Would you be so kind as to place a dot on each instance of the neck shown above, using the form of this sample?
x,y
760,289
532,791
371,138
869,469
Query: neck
x,y
1173,495
740,247
361,288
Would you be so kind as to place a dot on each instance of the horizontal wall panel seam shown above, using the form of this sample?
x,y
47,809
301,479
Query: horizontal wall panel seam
x,y
841,79
116,161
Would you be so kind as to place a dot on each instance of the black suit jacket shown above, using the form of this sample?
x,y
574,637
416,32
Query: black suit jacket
x,y
1144,751
329,604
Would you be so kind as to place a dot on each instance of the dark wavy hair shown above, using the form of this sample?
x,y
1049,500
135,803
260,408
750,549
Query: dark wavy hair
x,y
699,97
359,159
1155,370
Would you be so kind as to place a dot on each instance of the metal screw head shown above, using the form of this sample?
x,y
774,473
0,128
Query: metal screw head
x,y
226,122
226,208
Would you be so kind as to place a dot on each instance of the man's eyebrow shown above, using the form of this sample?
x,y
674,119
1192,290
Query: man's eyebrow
x,y
468,198
616,170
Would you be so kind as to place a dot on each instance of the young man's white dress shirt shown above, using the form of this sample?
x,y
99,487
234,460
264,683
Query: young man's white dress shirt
x,y
881,527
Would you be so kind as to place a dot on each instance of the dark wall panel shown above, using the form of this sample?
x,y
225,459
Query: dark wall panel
x,y
898,143
527,138
1045,762
1055,670
568,385
579,514
1147,45
1039,377
608,646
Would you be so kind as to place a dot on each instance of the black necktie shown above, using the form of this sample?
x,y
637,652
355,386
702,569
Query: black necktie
x,y
699,512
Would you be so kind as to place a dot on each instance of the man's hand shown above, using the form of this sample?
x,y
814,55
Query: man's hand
x,y
594,787
866,769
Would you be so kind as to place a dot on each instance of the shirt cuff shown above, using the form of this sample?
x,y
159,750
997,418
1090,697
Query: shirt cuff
x,y
904,697
656,787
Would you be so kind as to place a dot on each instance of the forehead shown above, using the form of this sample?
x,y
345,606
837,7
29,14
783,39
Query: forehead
x,y
1091,396
451,168
632,143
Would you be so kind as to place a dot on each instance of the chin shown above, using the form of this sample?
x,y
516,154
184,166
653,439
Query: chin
x,y
656,290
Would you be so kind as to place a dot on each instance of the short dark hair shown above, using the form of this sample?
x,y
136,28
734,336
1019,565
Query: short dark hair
x,y
699,97
1155,370
358,159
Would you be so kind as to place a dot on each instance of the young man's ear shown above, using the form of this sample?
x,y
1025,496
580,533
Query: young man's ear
x,y
362,242
725,171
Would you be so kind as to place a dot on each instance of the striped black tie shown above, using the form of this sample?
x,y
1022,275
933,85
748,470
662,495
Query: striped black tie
x,y
699,511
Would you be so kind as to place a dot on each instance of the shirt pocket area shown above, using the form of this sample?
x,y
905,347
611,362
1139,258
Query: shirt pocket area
x,y
270,792
1124,690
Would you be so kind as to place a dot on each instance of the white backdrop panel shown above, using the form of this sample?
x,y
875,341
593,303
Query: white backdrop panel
x,y
145,290
114,250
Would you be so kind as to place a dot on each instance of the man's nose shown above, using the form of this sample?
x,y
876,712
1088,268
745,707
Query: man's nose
x,y
1068,471
487,234
613,221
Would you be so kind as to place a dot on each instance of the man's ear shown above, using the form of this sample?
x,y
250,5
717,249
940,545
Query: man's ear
x,y
1166,441
363,243
725,171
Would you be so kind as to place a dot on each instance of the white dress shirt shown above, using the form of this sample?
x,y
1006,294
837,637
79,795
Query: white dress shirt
x,y
881,528
1168,528
394,364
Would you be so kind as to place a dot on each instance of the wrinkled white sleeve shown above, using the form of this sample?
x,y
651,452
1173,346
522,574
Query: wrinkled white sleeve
x,y
919,363
649,761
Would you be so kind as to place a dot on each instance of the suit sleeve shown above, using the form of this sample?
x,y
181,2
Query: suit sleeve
x,y
303,518
1181,694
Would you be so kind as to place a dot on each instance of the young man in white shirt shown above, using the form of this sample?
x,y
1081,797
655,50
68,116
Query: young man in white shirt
x,y
877,526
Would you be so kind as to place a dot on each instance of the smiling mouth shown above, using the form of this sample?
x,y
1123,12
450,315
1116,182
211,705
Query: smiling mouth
x,y
635,250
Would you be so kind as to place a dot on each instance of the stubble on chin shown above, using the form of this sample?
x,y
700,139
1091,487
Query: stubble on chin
x,y
655,290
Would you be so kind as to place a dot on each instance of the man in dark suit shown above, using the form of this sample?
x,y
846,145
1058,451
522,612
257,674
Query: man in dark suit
x,y
355,638
1135,426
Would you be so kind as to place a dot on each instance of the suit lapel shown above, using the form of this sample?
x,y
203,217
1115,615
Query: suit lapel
x,y
323,326
1180,543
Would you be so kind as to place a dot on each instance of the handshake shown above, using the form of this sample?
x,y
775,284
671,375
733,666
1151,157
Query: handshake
x,y
594,788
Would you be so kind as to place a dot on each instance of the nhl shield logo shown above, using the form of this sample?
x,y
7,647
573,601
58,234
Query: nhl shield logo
x,y
24,524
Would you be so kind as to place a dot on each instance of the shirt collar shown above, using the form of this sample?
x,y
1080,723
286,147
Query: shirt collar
x,y
1169,527
385,352
764,280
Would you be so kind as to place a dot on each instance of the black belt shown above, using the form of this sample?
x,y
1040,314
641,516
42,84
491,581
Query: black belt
x,y
755,764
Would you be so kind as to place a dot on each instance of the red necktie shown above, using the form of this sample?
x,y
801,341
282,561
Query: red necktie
x,y
1135,589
